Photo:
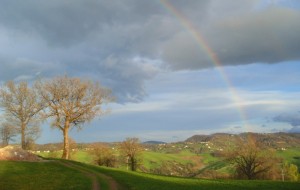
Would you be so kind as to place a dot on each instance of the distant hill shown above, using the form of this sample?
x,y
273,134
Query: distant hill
x,y
154,142
275,140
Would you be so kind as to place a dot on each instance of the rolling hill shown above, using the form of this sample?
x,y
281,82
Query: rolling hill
x,y
272,140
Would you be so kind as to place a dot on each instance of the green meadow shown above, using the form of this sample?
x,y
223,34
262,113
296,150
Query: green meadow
x,y
56,176
51,175
154,159
291,155
204,161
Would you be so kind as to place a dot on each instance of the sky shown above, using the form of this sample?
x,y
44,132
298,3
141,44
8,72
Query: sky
x,y
177,68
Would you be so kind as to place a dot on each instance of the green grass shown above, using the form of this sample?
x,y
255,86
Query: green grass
x,y
80,156
291,155
83,156
52,175
142,181
150,159
217,165
40,175
207,158
154,159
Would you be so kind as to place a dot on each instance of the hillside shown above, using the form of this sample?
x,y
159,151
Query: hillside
x,y
67,175
221,140
273,140
202,159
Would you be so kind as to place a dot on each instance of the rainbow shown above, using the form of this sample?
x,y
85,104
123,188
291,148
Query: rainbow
x,y
204,45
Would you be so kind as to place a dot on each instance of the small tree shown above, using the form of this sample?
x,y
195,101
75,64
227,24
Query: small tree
x,y
104,156
289,172
30,144
7,132
22,105
32,134
71,102
251,161
131,149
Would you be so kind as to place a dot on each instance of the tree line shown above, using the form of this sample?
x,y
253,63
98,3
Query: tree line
x,y
129,152
68,102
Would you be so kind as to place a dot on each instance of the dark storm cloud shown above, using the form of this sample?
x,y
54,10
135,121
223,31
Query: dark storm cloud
x,y
132,72
295,130
292,119
120,42
25,69
268,36
79,38
65,22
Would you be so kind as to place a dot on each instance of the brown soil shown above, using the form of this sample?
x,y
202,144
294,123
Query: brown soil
x,y
17,154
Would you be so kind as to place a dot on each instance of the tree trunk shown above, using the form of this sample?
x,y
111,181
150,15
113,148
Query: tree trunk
x,y
66,153
23,141
4,137
132,164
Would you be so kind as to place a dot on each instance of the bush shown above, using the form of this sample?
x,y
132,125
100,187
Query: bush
x,y
104,156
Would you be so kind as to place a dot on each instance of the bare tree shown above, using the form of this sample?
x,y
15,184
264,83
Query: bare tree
x,y
131,149
104,156
71,102
250,159
7,132
22,105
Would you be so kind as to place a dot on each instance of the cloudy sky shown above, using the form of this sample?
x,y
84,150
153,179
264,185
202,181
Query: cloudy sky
x,y
177,68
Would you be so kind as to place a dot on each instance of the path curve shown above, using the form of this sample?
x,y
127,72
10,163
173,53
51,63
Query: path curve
x,y
95,182
113,185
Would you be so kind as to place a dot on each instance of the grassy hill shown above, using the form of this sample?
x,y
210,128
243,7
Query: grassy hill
x,y
173,158
55,175
40,175
271,140
184,163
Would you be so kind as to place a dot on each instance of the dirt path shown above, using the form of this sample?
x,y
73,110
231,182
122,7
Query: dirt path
x,y
113,185
95,186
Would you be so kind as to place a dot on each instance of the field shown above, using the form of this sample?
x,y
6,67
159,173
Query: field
x,y
205,162
55,175
152,160
291,155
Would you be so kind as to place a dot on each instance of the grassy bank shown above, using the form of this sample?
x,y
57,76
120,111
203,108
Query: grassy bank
x,y
40,175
